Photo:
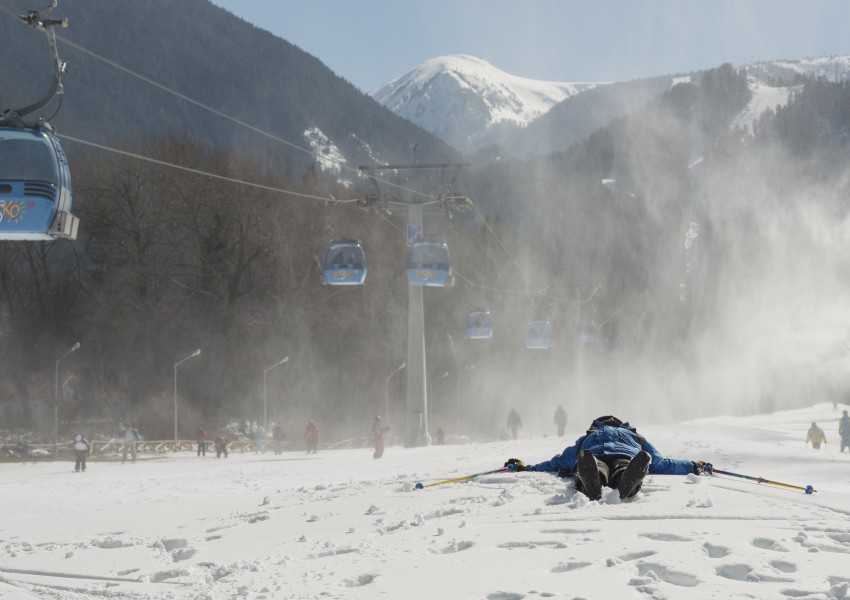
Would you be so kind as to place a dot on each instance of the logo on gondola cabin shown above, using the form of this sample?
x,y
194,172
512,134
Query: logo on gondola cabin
x,y
425,274
11,211
343,275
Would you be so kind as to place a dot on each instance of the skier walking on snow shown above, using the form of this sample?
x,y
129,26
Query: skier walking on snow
x,y
377,434
612,454
560,420
81,452
201,438
129,436
844,431
816,436
278,437
514,422
311,434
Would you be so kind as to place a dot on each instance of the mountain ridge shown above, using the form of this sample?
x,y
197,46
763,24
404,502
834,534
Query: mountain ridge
x,y
474,106
480,97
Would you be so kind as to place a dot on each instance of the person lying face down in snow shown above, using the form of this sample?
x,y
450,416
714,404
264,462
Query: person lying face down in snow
x,y
613,454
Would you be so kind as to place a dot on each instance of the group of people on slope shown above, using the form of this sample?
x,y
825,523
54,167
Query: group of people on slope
x,y
514,423
219,443
127,435
816,436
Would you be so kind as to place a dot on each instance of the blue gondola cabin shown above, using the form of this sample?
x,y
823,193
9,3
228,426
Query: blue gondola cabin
x,y
429,264
479,325
538,335
345,263
35,187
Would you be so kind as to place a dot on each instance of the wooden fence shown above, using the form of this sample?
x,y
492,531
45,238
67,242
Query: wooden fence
x,y
159,447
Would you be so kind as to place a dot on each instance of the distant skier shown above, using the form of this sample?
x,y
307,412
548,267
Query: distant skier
x,y
221,445
260,440
514,422
311,434
129,436
560,420
278,437
81,452
613,454
844,431
440,436
377,435
201,438
816,436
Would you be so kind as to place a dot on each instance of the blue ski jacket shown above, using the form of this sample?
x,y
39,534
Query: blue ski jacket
x,y
606,440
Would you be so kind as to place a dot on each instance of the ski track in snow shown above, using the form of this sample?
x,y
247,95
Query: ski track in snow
x,y
340,525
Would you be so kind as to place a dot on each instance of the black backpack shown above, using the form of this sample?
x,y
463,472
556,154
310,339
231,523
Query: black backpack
x,y
610,421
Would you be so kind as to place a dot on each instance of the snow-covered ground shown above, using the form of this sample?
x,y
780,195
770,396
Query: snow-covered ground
x,y
342,525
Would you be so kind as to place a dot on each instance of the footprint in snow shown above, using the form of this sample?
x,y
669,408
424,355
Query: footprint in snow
x,y
768,544
668,575
628,557
454,547
666,537
715,551
570,566
360,580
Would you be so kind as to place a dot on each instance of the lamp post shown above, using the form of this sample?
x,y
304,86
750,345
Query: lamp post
x,y
579,355
266,394
387,391
177,364
431,384
56,398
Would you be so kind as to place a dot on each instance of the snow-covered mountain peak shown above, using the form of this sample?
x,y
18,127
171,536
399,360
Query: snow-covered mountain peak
x,y
457,97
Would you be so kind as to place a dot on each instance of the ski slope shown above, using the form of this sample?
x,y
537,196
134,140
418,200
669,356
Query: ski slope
x,y
342,525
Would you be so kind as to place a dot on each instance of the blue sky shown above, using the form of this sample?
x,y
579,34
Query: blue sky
x,y
369,42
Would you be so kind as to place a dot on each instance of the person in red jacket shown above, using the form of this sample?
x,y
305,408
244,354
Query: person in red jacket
x,y
378,437
201,438
312,436
221,445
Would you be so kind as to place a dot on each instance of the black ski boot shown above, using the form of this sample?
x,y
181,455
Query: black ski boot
x,y
633,475
587,472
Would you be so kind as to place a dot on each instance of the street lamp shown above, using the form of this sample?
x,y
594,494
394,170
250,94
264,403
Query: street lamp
x,y
387,391
431,385
437,380
266,395
56,399
178,363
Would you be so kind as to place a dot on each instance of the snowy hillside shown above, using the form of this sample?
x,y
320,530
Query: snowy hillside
x,y
833,68
764,97
342,525
767,79
459,97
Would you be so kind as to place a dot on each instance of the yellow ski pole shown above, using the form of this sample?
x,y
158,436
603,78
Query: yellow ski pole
x,y
807,489
420,486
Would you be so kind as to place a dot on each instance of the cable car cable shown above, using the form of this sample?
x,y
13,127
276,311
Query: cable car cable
x,y
498,290
197,171
216,112
501,245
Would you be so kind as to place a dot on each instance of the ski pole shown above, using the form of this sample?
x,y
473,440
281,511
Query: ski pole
x,y
420,486
807,489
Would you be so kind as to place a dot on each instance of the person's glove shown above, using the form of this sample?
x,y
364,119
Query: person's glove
x,y
515,464
701,467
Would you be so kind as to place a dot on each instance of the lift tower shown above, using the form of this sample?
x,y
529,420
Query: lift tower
x,y
404,197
